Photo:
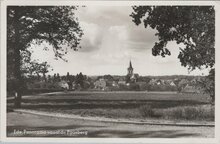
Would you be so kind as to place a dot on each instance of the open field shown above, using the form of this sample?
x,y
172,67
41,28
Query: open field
x,y
168,105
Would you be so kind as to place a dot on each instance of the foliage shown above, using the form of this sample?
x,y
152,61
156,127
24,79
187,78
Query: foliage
x,y
70,79
146,111
182,84
208,84
108,77
201,112
80,80
127,79
192,26
144,79
161,88
134,87
55,25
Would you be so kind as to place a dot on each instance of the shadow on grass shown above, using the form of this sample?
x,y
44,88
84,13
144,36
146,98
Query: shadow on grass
x,y
93,104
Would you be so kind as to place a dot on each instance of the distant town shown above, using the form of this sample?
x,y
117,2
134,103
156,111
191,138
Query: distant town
x,y
129,82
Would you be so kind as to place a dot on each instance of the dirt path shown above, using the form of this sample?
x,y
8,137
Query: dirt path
x,y
21,124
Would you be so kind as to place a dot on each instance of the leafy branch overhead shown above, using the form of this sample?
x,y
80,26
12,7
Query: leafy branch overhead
x,y
193,26
54,25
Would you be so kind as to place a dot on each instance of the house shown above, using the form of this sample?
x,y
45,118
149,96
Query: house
x,y
190,89
114,83
100,84
170,83
121,82
153,82
134,77
159,82
63,84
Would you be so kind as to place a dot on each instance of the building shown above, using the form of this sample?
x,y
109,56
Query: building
x,y
63,84
190,89
100,84
130,70
131,76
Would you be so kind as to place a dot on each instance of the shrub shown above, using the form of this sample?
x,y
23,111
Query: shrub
x,y
134,87
205,112
146,111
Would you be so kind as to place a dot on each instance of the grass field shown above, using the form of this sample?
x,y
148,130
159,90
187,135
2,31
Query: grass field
x,y
168,105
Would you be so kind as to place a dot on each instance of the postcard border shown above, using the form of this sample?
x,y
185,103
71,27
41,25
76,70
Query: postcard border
x,y
105,140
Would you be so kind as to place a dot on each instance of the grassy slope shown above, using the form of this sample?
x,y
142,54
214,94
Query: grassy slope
x,y
123,104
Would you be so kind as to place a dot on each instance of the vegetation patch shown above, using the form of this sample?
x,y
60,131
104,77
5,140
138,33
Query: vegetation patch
x,y
134,105
146,111
200,112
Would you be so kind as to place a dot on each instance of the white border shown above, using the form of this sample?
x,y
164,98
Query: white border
x,y
104,140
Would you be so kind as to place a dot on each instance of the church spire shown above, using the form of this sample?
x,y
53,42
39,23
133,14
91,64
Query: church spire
x,y
130,69
130,66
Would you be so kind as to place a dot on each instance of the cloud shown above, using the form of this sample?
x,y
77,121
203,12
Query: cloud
x,y
110,41
105,15
92,37
97,22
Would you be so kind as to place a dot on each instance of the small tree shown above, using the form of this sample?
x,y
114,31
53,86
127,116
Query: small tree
x,y
79,80
58,77
70,80
181,85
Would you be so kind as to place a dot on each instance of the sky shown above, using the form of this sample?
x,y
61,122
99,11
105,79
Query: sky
x,y
109,42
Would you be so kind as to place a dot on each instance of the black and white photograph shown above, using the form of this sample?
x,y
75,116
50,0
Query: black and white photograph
x,y
110,71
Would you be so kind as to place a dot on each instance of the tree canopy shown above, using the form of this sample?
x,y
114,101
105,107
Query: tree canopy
x,y
193,26
56,25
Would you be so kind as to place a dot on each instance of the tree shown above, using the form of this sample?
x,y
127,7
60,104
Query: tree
x,y
108,77
70,79
193,26
56,25
49,78
128,78
38,68
54,77
80,79
208,84
58,77
182,84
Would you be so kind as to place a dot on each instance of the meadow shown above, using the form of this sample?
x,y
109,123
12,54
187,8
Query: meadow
x,y
159,105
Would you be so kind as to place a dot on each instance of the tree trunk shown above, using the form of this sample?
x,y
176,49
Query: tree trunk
x,y
45,79
17,63
18,85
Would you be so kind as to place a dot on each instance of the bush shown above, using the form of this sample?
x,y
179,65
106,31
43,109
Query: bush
x,y
205,112
146,111
161,88
134,87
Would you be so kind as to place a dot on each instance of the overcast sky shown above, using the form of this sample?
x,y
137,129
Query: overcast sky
x,y
109,42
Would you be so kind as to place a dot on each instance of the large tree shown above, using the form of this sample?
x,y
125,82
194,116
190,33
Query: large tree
x,y
193,26
56,25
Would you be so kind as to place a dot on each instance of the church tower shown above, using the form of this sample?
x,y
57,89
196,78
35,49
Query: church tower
x,y
130,69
